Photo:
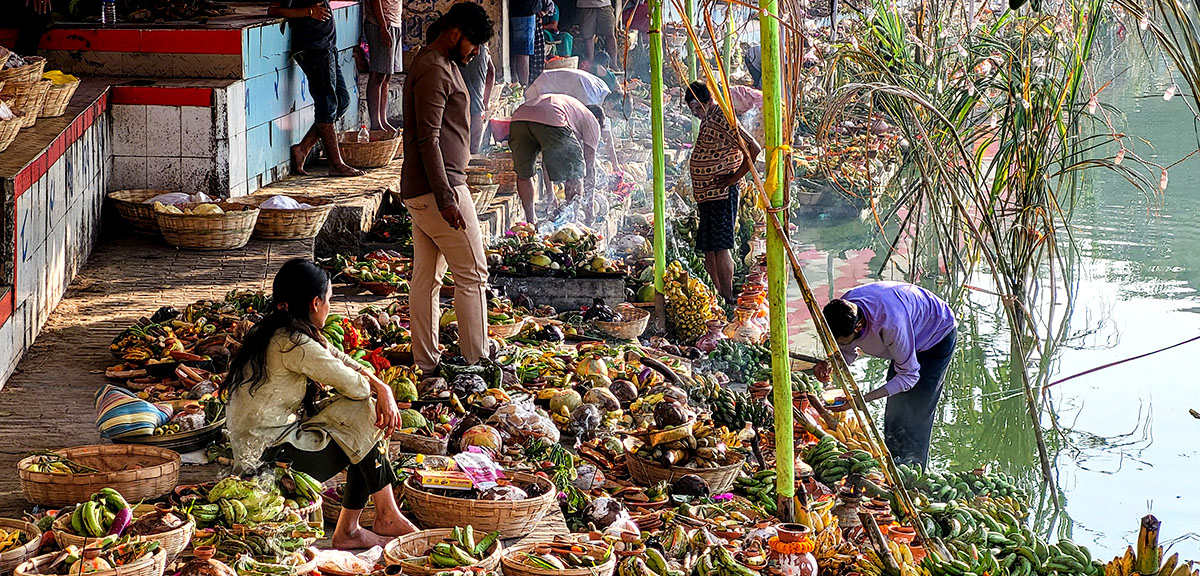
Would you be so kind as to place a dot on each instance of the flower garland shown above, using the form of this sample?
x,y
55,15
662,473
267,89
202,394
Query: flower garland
x,y
805,546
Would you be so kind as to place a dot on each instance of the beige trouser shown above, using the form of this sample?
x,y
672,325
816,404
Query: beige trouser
x,y
435,246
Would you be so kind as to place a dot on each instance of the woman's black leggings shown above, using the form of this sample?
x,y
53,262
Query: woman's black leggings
x,y
372,474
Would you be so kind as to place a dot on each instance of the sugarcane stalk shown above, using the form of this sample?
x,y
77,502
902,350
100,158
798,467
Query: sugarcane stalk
x,y
658,159
1149,556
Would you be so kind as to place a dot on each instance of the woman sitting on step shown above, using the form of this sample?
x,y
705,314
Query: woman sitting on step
x,y
279,408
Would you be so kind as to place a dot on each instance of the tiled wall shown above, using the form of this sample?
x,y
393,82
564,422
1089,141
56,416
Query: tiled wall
x,y
58,220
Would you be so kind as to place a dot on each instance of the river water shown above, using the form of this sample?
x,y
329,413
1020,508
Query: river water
x,y
1128,444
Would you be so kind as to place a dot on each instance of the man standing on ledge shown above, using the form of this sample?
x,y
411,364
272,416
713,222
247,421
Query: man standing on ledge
x,y
314,46
433,184
914,329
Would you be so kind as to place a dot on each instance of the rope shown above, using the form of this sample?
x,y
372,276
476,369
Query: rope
x,y
1111,364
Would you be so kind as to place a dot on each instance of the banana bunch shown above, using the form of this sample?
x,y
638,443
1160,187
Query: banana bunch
x,y
990,521
1124,565
818,516
830,463
948,486
717,561
850,433
872,564
10,539
760,489
246,502
95,517
463,550
54,463
835,555
704,448
299,489
689,304
266,544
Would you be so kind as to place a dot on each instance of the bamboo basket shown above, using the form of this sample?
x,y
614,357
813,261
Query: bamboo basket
x,y
418,444
173,542
374,154
182,442
227,231
13,558
512,519
513,563
419,543
58,96
313,512
30,72
506,331
131,205
626,329
154,565
482,196
26,98
561,63
274,224
331,508
648,473
9,130
385,135
137,472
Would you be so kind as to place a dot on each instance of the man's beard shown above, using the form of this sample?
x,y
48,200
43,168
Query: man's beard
x,y
459,55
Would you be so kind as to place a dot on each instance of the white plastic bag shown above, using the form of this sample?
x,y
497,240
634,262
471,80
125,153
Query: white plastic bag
x,y
177,198
281,202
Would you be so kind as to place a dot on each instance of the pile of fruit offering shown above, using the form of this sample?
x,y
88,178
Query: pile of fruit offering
x,y
460,549
571,251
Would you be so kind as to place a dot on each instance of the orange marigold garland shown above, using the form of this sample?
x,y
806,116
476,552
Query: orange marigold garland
x,y
805,546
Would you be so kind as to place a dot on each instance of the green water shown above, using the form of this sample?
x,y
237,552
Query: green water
x,y
1129,444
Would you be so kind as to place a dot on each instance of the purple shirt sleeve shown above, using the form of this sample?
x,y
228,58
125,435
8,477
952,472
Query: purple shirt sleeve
x,y
849,353
904,357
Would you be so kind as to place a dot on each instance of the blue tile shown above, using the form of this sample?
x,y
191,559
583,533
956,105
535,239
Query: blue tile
x,y
258,149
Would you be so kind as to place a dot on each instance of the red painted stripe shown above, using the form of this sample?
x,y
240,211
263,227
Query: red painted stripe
x,y
6,303
144,41
162,96
8,37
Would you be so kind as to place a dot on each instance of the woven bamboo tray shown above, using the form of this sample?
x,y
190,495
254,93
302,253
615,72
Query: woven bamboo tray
x,y
131,205
374,154
482,196
8,131
506,331
276,224
26,98
513,563
648,473
418,444
182,442
418,544
626,329
512,519
385,135
154,565
57,98
173,542
27,73
227,231
137,472
13,558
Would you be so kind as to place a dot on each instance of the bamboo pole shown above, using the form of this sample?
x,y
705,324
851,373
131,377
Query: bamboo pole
x,y
777,277
658,155
1149,555
727,45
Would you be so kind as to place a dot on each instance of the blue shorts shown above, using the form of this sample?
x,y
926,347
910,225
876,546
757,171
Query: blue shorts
x,y
331,98
522,28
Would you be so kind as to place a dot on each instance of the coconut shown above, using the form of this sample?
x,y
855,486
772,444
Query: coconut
x,y
604,511
602,397
690,485
669,414
624,390
568,399
483,436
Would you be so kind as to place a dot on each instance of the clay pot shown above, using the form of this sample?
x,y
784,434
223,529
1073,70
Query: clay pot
x,y
792,532
203,564
902,534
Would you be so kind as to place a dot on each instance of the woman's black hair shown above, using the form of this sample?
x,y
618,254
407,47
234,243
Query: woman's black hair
x,y
470,19
841,316
697,90
296,284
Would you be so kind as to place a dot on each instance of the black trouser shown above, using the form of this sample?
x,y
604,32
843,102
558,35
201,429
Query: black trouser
x,y
908,418
372,474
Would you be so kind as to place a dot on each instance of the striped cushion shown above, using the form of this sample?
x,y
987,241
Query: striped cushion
x,y
120,414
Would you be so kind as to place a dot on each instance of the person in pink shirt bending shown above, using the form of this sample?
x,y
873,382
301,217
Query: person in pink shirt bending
x,y
914,329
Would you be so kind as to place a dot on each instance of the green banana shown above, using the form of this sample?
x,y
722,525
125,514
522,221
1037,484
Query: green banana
x,y
77,520
91,519
112,499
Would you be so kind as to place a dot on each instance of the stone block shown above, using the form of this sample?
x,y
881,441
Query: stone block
x,y
55,182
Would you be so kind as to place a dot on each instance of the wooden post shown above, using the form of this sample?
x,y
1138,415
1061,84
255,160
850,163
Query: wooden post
x,y
880,543
1149,556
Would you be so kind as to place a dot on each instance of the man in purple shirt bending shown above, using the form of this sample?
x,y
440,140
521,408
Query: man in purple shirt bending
x,y
914,329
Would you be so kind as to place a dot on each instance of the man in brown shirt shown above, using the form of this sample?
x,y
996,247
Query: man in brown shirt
x,y
433,184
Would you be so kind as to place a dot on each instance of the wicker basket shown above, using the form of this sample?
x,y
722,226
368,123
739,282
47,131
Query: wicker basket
x,y
226,231
57,98
274,224
506,331
482,196
331,508
512,519
419,543
154,565
12,558
132,206
30,72
173,542
373,154
418,444
8,131
26,98
181,442
648,473
137,472
560,63
626,329
513,563
385,135
312,513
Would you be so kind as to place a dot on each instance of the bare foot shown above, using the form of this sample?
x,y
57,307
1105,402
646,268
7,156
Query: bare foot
x,y
343,170
360,539
393,526
298,161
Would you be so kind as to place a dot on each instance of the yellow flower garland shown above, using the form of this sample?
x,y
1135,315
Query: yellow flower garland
x,y
805,546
